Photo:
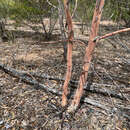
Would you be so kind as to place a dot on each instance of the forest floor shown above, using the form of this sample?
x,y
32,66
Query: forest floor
x,y
26,107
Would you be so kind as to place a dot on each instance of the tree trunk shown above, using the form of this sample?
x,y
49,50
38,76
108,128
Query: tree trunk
x,y
62,29
69,52
88,54
3,34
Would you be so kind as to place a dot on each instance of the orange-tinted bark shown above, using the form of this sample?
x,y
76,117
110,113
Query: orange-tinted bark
x,y
110,34
88,54
69,53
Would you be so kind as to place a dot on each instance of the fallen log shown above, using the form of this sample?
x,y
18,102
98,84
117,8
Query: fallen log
x,y
27,77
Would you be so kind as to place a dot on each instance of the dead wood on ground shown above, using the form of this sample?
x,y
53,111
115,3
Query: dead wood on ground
x,y
29,77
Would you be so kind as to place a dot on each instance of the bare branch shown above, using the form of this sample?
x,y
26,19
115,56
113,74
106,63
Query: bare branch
x,y
51,4
75,7
97,38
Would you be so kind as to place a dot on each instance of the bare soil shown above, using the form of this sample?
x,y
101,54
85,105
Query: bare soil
x,y
24,107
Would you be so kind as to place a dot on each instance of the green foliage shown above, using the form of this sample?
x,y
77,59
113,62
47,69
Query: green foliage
x,y
118,10
26,10
20,10
30,10
85,9
5,6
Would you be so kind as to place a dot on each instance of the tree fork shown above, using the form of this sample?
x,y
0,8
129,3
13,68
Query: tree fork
x,y
88,54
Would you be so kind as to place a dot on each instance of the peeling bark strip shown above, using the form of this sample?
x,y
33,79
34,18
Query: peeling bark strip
x,y
69,52
88,54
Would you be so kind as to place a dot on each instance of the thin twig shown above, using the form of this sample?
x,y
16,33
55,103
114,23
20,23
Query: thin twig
x,y
51,4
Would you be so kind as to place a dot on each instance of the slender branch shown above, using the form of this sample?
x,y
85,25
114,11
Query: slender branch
x,y
51,4
43,25
75,7
110,34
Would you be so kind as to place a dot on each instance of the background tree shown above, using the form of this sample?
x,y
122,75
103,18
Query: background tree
x,y
22,11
